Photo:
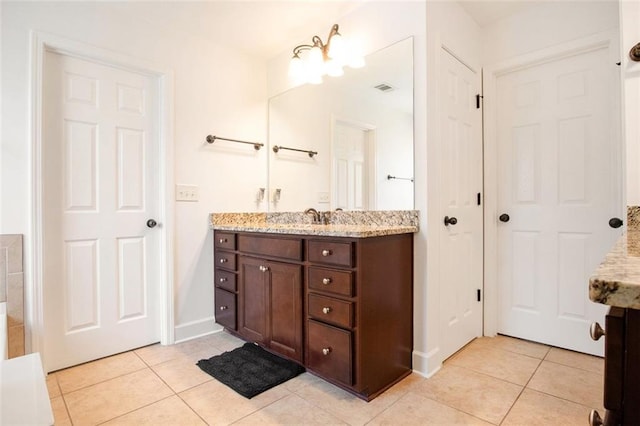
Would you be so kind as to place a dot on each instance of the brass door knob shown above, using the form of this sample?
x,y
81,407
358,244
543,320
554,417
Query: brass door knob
x,y
595,331
326,281
326,253
326,351
326,310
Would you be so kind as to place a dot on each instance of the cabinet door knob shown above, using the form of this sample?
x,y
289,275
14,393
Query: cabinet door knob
x,y
224,260
264,268
222,240
326,253
326,281
326,351
326,310
223,280
223,308
596,331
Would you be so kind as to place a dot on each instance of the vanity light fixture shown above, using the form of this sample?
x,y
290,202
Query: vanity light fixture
x,y
311,61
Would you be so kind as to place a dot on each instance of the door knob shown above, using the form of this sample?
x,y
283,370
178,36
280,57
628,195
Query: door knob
x,y
504,217
615,222
450,220
151,223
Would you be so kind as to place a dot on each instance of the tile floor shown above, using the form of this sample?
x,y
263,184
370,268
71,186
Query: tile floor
x,y
499,381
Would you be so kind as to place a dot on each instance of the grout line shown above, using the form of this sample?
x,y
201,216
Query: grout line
x,y
523,389
134,410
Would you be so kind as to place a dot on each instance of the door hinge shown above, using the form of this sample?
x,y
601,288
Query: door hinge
x,y
478,97
478,294
479,198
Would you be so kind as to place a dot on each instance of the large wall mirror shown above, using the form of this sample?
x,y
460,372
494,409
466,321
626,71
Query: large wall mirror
x,y
360,125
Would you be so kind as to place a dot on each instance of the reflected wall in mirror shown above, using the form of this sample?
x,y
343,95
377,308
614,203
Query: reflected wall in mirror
x,y
361,125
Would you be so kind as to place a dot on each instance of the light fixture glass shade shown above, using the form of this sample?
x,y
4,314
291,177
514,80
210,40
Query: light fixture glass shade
x,y
334,68
296,68
336,48
356,61
315,60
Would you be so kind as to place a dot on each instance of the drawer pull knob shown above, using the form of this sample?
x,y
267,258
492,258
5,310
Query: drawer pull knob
x,y
223,280
264,268
224,308
326,253
326,281
222,240
224,260
595,419
326,351
326,310
596,331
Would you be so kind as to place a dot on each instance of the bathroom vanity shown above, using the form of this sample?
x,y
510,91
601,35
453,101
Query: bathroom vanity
x,y
337,299
617,283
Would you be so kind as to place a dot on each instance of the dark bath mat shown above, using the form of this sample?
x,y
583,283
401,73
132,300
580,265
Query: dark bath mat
x,y
250,370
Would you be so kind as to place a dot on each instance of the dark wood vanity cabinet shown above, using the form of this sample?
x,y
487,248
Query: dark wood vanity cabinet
x,y
343,307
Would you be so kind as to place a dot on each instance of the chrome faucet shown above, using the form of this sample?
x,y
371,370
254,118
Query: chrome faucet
x,y
315,213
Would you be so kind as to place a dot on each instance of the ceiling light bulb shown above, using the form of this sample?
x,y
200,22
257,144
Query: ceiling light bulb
x,y
315,58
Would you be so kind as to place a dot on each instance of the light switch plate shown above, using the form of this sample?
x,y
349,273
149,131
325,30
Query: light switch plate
x,y
187,193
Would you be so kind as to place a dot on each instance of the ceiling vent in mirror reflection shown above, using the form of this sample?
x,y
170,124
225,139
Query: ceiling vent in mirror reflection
x,y
384,87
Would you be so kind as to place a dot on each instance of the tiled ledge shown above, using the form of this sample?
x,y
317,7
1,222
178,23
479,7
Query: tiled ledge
x,y
341,223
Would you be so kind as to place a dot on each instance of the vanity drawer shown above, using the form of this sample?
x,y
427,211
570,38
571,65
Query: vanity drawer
x,y
332,310
225,260
329,280
331,253
225,308
330,352
225,279
284,248
225,240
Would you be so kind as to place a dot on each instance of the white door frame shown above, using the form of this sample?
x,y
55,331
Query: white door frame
x,y
490,75
34,302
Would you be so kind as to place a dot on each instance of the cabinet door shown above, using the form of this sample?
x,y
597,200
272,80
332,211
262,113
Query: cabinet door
x,y
285,306
253,298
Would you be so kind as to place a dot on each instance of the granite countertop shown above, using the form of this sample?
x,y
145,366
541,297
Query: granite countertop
x,y
616,282
342,224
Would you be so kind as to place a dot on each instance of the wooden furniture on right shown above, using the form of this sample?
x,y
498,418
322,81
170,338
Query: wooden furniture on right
x,y
616,283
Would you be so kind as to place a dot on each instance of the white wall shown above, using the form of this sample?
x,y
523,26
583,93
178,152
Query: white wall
x,y
546,24
217,91
630,30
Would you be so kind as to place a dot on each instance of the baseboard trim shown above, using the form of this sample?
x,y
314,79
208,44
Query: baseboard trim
x,y
426,364
195,329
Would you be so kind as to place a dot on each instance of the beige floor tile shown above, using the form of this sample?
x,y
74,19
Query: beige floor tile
x,y
576,360
107,400
171,411
218,404
60,414
510,366
88,374
290,410
182,373
511,344
413,409
573,384
52,385
477,394
535,408
300,381
157,354
346,406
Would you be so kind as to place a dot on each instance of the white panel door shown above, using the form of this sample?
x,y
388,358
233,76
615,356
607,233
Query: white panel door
x,y
559,184
100,259
461,238
350,150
